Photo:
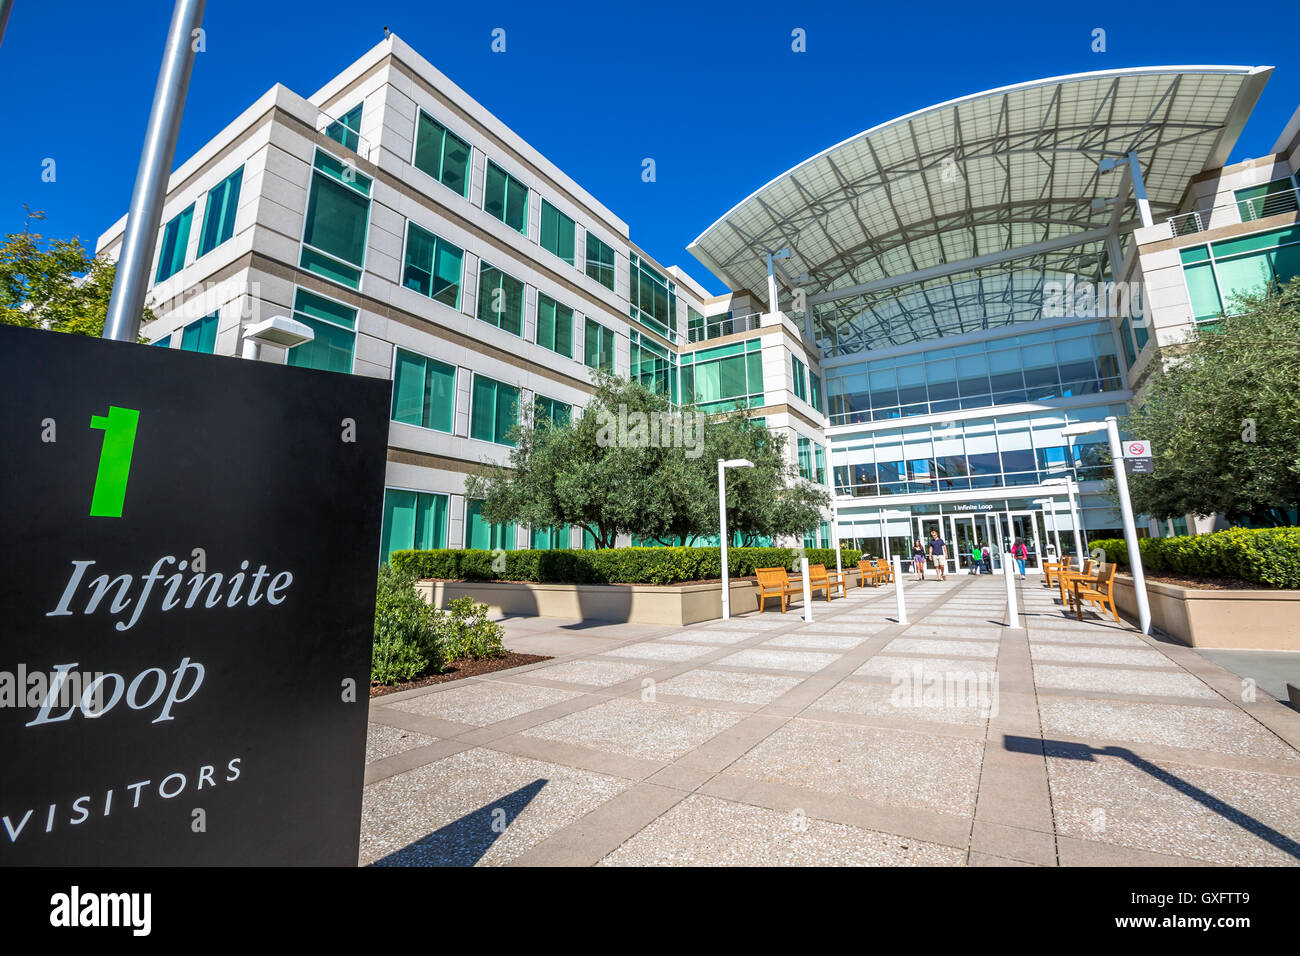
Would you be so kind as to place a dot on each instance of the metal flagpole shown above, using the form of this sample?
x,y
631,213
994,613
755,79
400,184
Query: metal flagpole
x,y
145,213
6,7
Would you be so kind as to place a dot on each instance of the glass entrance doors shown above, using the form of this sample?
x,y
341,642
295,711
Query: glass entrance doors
x,y
963,541
1021,525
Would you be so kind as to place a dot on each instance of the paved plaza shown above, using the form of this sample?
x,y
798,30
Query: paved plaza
x,y
955,740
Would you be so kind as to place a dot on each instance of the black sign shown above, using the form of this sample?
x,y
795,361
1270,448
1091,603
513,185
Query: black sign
x,y
187,583
1139,466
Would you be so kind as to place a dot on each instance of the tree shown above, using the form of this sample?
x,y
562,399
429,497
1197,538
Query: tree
x,y
55,285
634,465
1223,415
769,500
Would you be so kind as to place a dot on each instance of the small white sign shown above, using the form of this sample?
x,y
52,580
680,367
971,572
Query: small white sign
x,y
1137,449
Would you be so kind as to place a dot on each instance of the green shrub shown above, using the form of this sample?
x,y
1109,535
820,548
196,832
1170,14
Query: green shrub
x,y
465,631
405,643
1269,557
606,566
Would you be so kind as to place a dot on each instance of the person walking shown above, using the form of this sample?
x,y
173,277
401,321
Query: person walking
x,y
986,559
976,558
1021,554
918,560
939,555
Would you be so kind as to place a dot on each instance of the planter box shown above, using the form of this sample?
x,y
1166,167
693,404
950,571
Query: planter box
x,y
1261,620
674,604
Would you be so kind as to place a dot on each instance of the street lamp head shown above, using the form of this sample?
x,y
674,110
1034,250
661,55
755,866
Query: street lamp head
x,y
736,463
1082,428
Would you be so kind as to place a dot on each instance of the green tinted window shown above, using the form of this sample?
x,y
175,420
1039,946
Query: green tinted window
x,y
557,232
600,262
597,346
500,299
176,239
654,298
554,325
346,128
506,198
338,213
201,335
432,266
424,392
800,378
494,410
557,413
219,218
413,519
1203,290
488,537
442,154
334,325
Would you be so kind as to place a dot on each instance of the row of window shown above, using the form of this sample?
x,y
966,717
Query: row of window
x,y
1035,366
446,157
418,519
1218,272
218,226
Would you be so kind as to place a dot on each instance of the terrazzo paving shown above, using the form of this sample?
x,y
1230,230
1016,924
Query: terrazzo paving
x,y
851,740
704,831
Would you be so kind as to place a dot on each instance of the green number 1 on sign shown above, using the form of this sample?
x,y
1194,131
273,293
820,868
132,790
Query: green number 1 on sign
x,y
114,460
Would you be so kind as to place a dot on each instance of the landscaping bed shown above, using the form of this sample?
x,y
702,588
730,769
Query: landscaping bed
x,y
459,670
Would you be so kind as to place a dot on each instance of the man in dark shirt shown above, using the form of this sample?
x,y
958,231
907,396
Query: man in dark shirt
x,y
939,554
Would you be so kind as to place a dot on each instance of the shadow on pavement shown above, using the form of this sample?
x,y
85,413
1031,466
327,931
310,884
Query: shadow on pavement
x,y
465,841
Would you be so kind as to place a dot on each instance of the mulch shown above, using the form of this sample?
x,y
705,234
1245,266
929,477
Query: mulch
x,y
1197,583
459,670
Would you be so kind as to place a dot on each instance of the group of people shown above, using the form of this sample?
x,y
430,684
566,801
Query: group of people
x,y
981,559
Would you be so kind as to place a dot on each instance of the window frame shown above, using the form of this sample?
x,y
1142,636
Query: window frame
x,y
438,243
447,131
510,178
304,245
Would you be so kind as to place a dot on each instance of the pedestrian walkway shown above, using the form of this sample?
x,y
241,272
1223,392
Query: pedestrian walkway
x,y
955,740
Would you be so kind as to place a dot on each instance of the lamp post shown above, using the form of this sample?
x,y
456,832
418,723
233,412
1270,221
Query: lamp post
x,y
722,525
1111,427
132,280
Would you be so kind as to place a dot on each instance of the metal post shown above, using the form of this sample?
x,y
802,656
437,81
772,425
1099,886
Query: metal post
x,y
722,540
1139,191
898,591
1130,529
145,213
835,537
6,7
807,591
1009,575
1078,525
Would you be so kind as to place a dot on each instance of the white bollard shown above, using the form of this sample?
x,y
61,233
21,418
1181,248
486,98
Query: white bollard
x,y
898,591
807,591
1013,612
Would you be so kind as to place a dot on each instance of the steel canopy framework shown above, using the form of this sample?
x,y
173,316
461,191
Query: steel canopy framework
x,y
951,218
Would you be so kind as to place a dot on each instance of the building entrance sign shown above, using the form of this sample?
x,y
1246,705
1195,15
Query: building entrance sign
x,y
188,588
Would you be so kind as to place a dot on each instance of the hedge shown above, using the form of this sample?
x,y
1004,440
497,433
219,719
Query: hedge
x,y
607,565
1269,557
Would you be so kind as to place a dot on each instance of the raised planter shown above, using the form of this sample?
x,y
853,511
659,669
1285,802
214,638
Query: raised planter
x,y
675,604
1261,620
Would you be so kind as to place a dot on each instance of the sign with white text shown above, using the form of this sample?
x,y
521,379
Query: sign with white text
x,y
187,586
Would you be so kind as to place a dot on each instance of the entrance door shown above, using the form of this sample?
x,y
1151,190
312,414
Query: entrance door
x,y
988,528
1024,527
962,541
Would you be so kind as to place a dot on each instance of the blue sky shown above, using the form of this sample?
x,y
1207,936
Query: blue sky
x,y
712,92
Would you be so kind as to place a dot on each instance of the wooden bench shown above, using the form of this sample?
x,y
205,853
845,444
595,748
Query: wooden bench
x,y
870,571
821,579
774,582
1065,576
1098,590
